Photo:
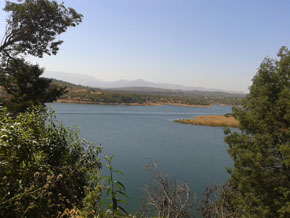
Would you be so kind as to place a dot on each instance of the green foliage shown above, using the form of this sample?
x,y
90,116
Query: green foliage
x,y
261,152
44,167
103,198
114,189
33,27
25,87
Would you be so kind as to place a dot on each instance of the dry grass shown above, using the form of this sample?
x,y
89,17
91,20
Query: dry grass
x,y
212,120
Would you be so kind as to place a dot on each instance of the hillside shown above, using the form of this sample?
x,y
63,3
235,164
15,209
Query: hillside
x,y
145,96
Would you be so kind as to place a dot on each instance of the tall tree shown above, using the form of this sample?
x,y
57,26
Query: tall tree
x,y
260,178
32,29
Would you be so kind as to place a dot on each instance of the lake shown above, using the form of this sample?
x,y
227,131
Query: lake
x,y
194,154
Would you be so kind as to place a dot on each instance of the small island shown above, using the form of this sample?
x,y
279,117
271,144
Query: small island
x,y
212,120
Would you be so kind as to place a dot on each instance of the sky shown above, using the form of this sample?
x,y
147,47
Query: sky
x,y
209,43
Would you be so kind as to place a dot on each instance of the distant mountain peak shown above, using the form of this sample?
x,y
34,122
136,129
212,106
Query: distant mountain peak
x,y
140,80
91,81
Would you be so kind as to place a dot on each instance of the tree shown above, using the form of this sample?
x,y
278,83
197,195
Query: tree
x,y
44,167
33,26
32,29
25,87
260,179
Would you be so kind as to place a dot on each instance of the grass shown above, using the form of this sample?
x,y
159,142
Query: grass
x,y
212,120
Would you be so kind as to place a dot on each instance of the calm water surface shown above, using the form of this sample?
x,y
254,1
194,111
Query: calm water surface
x,y
194,154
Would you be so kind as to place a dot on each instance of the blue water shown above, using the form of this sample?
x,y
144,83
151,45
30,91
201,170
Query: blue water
x,y
194,154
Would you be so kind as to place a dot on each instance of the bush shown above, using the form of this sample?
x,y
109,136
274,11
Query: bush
x,y
44,167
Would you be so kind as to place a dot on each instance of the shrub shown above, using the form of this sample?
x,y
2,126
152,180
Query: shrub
x,y
44,167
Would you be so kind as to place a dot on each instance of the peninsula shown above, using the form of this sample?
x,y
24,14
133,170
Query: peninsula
x,y
212,120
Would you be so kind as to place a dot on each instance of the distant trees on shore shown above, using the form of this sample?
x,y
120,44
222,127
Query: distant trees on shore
x,y
77,93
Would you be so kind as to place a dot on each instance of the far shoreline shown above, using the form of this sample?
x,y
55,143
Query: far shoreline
x,y
129,104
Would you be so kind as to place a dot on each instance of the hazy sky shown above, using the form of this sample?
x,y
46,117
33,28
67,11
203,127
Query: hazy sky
x,y
209,43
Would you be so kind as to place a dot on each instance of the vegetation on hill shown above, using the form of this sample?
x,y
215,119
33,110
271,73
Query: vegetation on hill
x,y
145,96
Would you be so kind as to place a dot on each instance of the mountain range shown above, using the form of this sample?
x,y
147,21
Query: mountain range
x,y
91,81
